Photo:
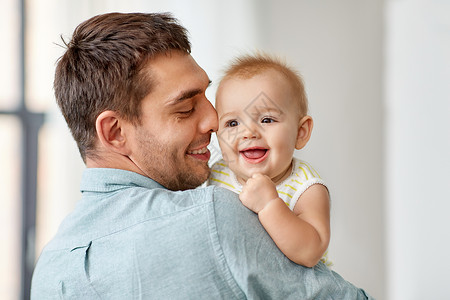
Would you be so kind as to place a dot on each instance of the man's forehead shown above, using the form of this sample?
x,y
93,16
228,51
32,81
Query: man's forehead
x,y
165,64
177,75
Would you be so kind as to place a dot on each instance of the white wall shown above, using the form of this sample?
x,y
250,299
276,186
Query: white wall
x,y
418,148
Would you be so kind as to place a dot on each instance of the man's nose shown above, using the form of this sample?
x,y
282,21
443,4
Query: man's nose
x,y
209,121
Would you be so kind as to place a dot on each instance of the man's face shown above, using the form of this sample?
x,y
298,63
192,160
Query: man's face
x,y
177,120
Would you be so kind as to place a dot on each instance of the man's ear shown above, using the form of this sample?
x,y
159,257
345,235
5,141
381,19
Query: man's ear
x,y
305,126
111,133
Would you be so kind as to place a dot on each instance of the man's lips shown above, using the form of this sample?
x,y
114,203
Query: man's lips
x,y
201,153
254,155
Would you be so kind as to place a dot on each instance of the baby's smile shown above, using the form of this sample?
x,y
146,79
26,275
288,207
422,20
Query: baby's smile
x,y
254,155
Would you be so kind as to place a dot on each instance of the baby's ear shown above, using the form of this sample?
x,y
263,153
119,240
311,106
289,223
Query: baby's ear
x,y
305,126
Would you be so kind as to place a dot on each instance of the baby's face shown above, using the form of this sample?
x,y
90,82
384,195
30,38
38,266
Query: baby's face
x,y
258,125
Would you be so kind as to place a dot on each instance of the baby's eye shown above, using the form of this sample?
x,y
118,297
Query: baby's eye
x,y
267,120
232,123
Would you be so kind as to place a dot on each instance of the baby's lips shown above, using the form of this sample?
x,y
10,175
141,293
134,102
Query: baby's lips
x,y
254,153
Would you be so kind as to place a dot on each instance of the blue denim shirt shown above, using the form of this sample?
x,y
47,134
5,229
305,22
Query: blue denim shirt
x,y
130,238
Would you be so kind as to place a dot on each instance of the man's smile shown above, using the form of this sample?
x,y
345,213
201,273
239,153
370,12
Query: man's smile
x,y
200,153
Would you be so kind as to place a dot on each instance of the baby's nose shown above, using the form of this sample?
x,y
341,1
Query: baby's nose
x,y
251,132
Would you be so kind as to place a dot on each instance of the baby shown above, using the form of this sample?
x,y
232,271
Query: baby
x,y
262,109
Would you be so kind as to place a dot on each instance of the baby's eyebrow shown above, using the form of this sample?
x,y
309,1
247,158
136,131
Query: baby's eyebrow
x,y
260,111
227,115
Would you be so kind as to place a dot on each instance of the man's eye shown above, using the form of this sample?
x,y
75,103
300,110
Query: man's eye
x,y
186,112
267,120
232,123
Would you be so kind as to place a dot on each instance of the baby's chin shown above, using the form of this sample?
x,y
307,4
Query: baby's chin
x,y
243,179
276,179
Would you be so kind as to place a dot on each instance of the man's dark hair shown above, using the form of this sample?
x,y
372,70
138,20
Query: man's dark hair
x,y
103,68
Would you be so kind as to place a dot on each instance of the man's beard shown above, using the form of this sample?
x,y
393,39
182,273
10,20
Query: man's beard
x,y
167,169
187,181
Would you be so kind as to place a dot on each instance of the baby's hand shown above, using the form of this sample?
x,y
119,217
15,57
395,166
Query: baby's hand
x,y
257,192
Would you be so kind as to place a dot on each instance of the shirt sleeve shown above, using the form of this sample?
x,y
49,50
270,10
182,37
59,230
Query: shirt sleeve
x,y
260,269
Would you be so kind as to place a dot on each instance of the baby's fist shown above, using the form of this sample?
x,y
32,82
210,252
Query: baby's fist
x,y
257,192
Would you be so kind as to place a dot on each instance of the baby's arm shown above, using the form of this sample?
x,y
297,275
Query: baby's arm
x,y
302,235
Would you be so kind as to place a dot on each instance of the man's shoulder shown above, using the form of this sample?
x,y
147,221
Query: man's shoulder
x,y
221,193
220,197
231,214
209,193
227,206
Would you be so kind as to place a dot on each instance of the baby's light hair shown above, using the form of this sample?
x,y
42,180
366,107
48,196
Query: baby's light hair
x,y
250,65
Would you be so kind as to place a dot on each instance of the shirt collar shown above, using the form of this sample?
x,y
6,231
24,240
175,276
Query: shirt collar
x,y
109,180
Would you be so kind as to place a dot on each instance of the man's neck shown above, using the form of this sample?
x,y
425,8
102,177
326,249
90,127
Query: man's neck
x,y
112,161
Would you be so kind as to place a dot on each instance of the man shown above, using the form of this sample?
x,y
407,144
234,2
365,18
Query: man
x,y
134,100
